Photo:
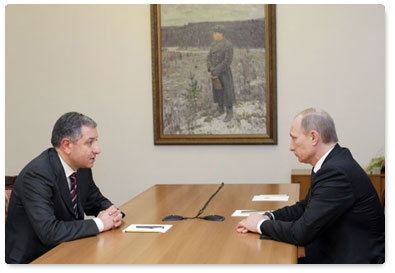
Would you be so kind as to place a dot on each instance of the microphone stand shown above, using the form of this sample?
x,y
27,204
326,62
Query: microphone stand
x,y
208,217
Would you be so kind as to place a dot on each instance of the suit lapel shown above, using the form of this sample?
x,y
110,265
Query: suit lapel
x,y
61,180
334,151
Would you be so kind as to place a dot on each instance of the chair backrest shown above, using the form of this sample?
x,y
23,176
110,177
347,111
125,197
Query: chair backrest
x,y
383,199
9,183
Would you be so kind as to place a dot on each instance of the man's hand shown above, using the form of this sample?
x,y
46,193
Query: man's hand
x,y
111,218
250,223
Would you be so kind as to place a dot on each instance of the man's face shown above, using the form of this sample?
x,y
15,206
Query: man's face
x,y
301,144
217,36
83,152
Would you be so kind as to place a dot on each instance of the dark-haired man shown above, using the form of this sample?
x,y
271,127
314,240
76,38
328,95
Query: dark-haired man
x,y
53,192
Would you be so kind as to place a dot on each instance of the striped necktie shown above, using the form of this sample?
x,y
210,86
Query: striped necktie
x,y
73,192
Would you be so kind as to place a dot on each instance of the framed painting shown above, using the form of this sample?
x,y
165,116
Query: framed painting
x,y
214,73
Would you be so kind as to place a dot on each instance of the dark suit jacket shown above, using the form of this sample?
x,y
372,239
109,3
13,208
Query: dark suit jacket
x,y
40,214
340,220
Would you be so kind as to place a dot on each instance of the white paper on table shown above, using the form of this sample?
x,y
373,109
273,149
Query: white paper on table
x,y
147,228
246,212
271,197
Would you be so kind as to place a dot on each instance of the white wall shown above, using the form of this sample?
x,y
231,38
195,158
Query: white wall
x,y
96,59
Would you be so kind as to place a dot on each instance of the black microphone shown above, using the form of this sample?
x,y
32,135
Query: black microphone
x,y
214,217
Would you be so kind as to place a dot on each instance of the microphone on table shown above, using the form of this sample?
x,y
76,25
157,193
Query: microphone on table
x,y
213,217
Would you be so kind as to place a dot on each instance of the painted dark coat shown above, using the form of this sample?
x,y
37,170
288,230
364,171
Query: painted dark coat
x,y
219,60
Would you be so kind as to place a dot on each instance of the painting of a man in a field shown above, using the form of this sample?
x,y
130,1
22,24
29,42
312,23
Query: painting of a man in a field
x,y
190,102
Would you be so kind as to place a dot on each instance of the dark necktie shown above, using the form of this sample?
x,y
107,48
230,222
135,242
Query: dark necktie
x,y
73,193
312,173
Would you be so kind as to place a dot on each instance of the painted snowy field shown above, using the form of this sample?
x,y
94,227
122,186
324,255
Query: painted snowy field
x,y
188,106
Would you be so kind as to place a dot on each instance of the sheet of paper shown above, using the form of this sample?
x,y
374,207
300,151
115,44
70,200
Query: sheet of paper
x,y
246,212
271,197
147,228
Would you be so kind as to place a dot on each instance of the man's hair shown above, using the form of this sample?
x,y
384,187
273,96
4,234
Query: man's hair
x,y
219,29
69,126
319,120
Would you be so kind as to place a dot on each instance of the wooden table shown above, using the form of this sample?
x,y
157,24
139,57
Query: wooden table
x,y
191,241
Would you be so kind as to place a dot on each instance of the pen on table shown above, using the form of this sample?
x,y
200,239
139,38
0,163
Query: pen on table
x,y
150,227
245,211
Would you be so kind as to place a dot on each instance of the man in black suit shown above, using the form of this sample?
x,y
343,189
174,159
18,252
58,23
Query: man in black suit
x,y
341,219
41,213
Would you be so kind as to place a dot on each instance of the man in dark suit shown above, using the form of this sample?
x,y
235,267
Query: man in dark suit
x,y
41,212
341,219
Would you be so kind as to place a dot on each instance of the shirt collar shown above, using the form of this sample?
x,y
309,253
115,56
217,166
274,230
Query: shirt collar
x,y
318,165
67,169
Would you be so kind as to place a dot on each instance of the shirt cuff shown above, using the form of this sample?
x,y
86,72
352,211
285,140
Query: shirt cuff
x,y
273,218
99,224
258,226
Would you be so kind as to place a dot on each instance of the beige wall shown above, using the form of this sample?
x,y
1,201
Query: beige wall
x,y
96,59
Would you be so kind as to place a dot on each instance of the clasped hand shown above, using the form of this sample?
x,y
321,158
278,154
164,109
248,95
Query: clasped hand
x,y
111,217
250,223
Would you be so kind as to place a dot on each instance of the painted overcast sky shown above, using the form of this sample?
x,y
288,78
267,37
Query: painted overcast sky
x,y
176,15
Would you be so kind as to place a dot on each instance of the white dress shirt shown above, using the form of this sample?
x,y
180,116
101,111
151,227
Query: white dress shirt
x,y
68,171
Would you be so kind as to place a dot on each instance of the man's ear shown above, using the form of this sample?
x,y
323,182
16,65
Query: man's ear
x,y
314,136
65,145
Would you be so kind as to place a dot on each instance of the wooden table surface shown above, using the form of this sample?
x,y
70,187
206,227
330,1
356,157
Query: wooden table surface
x,y
191,241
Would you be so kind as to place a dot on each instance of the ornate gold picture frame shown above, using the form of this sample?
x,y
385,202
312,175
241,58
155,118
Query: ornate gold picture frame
x,y
188,58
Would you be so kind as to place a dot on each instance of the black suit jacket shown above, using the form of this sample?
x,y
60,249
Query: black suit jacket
x,y
40,214
340,220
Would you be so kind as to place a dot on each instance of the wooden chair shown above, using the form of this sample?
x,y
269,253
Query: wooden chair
x,y
383,199
9,183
